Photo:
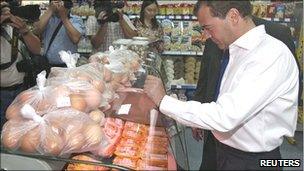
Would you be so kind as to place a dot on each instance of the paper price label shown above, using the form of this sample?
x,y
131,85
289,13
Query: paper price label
x,y
124,109
63,102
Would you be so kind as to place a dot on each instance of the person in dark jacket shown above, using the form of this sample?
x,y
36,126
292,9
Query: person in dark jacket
x,y
209,74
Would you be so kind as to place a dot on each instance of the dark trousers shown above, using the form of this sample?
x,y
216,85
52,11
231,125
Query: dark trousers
x,y
227,158
7,97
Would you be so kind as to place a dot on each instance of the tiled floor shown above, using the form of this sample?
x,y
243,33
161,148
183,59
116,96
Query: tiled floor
x,y
194,150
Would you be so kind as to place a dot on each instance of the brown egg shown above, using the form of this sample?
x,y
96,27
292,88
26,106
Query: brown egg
x,y
25,96
31,140
99,85
75,142
93,99
107,74
92,134
78,102
13,111
53,143
97,115
10,135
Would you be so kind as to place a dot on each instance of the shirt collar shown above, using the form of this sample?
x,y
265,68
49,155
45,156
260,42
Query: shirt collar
x,y
250,39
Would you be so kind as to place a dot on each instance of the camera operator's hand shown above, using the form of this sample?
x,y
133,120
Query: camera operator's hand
x,y
5,12
102,16
19,24
62,12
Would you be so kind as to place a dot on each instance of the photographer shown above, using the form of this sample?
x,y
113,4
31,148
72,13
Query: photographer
x,y
59,30
16,39
113,25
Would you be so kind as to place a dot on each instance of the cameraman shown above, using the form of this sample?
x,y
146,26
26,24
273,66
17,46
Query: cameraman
x,y
71,28
16,38
109,31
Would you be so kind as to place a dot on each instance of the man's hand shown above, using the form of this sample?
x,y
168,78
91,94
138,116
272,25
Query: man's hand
x,y
154,89
197,134
102,16
5,12
62,12
54,5
19,24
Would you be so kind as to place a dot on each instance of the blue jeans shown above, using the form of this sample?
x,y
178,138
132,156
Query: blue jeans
x,y
7,97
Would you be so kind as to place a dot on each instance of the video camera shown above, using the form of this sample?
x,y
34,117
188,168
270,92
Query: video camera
x,y
31,13
110,7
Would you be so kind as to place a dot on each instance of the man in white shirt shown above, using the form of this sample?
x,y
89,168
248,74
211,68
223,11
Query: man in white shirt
x,y
257,92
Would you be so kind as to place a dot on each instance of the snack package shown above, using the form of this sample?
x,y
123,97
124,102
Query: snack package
x,y
84,167
112,133
59,132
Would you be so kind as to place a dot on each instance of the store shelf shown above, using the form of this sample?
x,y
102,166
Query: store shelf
x,y
184,87
182,53
171,17
284,20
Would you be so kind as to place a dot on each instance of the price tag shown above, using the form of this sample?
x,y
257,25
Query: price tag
x,y
186,17
178,17
161,17
287,19
124,109
63,102
276,19
194,17
178,86
171,17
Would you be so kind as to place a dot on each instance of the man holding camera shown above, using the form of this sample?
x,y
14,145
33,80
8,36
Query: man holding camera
x,y
59,30
16,41
113,25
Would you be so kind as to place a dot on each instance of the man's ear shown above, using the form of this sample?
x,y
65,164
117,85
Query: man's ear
x,y
233,16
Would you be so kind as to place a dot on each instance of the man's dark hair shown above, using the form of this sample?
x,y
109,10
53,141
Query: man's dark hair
x,y
221,8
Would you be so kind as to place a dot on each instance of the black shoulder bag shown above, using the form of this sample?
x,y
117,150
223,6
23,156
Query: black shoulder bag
x,y
33,65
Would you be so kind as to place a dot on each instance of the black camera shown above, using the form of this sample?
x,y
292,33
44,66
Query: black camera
x,y
110,7
31,13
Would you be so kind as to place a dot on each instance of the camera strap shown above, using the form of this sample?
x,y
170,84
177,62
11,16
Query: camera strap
x,y
53,36
14,51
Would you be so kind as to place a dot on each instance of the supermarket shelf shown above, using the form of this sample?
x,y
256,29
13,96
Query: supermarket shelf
x,y
171,17
285,20
184,87
182,53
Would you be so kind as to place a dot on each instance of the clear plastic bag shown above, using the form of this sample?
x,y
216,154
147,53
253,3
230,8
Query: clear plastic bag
x,y
59,132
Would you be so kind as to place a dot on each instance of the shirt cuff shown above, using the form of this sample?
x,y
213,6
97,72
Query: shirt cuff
x,y
171,106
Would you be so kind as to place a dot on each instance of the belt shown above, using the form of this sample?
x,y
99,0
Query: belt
x,y
13,87
237,151
58,65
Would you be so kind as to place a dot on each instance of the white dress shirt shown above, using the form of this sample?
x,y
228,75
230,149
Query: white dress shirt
x,y
257,103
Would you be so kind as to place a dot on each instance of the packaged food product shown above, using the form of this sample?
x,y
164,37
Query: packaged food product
x,y
125,161
84,167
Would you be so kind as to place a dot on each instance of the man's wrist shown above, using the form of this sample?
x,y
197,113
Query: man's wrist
x,y
158,105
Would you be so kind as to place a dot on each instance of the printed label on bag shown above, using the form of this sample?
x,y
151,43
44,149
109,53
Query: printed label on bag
x,y
63,102
124,109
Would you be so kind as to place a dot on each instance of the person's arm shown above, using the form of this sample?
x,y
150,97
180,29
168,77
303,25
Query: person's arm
x,y
40,25
31,41
127,30
72,32
98,39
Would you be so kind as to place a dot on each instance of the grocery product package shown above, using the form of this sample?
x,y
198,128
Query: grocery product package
x,y
62,131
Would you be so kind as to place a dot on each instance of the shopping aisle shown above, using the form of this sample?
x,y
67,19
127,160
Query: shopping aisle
x,y
287,151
